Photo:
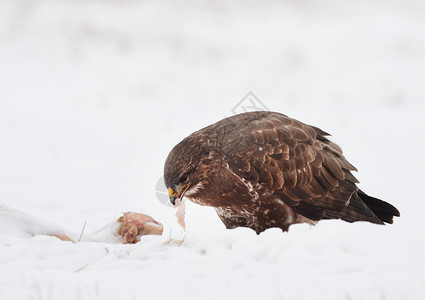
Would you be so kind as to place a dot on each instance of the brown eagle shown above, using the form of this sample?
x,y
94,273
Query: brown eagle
x,y
264,169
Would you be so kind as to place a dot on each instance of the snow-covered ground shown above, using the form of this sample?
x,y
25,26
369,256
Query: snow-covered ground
x,y
94,94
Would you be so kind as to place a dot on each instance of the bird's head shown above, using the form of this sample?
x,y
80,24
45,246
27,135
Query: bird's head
x,y
186,167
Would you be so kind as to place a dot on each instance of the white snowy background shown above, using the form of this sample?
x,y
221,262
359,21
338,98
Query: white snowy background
x,y
94,94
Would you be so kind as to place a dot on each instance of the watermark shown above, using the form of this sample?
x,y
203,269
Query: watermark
x,y
247,104
162,193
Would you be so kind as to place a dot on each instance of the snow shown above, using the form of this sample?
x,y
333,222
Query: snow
x,y
20,224
94,94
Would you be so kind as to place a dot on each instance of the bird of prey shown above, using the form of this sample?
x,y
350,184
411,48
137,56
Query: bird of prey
x,y
264,169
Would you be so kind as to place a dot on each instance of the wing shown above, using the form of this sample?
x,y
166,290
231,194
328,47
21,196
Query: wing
x,y
294,162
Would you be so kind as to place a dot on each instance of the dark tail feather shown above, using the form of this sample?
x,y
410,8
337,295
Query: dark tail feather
x,y
365,208
383,210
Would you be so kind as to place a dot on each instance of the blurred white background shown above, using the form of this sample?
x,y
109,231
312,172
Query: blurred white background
x,y
94,94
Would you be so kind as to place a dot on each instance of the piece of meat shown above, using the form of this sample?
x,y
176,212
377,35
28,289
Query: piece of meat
x,y
180,213
134,225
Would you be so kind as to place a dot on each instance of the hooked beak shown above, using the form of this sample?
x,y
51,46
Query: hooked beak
x,y
173,195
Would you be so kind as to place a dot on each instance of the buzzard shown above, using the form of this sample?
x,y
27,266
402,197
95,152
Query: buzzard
x,y
264,169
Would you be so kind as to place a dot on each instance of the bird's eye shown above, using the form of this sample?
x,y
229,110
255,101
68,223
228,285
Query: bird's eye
x,y
184,178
